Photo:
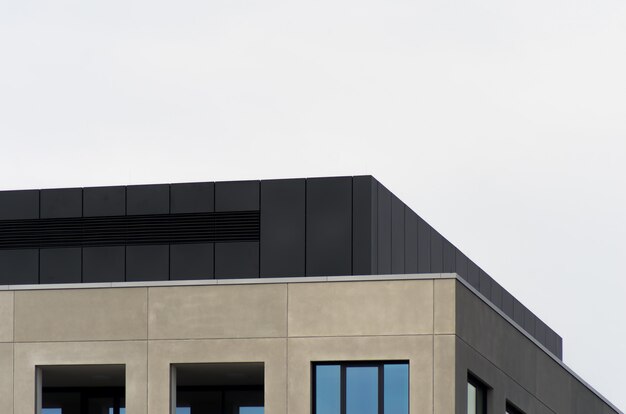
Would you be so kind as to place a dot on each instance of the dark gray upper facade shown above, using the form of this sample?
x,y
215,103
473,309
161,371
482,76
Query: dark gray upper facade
x,y
269,228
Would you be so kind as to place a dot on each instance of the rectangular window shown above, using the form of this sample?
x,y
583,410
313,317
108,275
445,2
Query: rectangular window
x,y
218,388
89,389
361,388
476,397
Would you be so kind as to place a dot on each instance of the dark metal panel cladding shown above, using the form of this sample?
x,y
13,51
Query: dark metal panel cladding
x,y
410,241
148,199
236,260
384,230
62,265
329,226
192,198
449,257
559,346
551,341
397,235
461,264
16,205
423,246
507,303
540,331
436,251
364,222
283,219
191,261
484,284
104,264
496,294
104,201
518,312
529,321
61,202
473,273
237,195
145,263
19,267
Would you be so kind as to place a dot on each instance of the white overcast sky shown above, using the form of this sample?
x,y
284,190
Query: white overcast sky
x,y
502,123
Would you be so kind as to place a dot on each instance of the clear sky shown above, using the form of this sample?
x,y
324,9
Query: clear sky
x,y
502,123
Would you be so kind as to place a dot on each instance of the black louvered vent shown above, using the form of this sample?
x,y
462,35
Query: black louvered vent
x,y
129,230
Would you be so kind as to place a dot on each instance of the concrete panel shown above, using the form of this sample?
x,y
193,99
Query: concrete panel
x,y
361,308
81,315
418,350
132,354
6,378
445,306
225,311
272,352
6,317
444,374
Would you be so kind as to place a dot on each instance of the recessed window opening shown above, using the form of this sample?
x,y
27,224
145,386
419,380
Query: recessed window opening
x,y
218,388
512,409
361,387
81,389
476,396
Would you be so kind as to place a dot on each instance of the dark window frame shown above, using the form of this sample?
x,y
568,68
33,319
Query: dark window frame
x,y
512,408
480,386
343,365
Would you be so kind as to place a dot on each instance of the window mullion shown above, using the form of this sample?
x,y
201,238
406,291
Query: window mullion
x,y
342,395
381,389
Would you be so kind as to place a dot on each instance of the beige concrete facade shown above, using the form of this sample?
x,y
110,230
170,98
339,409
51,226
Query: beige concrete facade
x,y
440,326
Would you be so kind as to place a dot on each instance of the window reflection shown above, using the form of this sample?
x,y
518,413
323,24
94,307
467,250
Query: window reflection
x,y
396,391
328,387
361,388
250,410
476,397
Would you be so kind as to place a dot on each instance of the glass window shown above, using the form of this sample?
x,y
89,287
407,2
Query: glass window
x,y
361,388
476,397
396,388
328,389
250,410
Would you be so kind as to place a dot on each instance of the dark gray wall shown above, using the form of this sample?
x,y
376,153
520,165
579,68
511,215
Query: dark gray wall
x,y
511,366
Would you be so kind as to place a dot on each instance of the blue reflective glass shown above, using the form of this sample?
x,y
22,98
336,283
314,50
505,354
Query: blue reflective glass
x,y
183,410
327,389
250,410
51,411
396,388
362,390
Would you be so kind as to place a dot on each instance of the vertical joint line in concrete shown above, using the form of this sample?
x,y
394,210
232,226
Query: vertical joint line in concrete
x,y
287,350
13,356
434,356
147,349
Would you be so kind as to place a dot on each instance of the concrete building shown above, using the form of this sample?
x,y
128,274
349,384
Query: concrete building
x,y
321,296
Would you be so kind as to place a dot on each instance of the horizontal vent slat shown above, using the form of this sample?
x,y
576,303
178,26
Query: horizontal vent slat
x,y
120,230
